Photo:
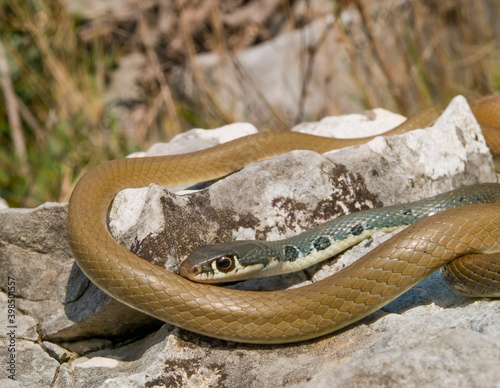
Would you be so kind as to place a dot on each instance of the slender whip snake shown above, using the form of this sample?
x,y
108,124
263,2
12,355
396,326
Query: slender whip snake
x,y
263,317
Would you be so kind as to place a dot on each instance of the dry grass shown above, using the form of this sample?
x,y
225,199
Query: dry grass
x,y
423,53
59,88
55,122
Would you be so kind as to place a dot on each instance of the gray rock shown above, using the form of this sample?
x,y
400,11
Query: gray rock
x,y
87,346
336,63
266,79
25,325
123,85
34,367
353,125
50,286
57,352
197,139
439,360
65,377
428,336
123,10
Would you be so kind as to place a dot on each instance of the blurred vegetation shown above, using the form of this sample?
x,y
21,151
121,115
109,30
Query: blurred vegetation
x,y
59,76
420,53
59,86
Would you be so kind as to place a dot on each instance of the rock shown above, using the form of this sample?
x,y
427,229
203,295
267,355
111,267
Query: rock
x,y
121,10
242,78
65,377
399,365
34,366
87,346
123,85
352,125
61,354
430,334
51,287
20,340
197,139
25,325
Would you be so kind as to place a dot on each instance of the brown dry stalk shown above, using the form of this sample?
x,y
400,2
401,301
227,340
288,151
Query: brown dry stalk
x,y
174,126
311,52
12,106
368,24
367,98
207,97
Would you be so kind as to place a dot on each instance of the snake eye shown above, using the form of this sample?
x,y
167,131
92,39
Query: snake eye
x,y
225,263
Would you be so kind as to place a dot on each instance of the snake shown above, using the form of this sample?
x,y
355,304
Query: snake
x,y
265,317
248,259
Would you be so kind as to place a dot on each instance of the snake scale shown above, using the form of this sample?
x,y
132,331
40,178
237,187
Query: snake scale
x,y
263,317
248,259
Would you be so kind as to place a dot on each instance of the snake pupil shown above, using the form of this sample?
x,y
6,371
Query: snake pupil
x,y
225,263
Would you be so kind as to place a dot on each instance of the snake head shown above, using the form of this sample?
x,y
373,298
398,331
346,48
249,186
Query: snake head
x,y
227,262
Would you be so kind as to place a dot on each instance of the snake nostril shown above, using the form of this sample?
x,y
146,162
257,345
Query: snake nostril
x,y
190,272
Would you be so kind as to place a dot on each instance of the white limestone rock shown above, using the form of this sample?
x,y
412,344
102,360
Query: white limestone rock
x,y
3,204
196,139
374,122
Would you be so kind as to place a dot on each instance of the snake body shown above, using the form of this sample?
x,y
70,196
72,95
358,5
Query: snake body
x,y
250,259
269,317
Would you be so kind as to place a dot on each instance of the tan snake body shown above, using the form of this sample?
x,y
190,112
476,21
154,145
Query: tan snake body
x,y
259,317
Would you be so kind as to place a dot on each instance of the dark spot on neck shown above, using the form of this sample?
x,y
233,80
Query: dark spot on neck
x,y
291,253
357,229
407,212
322,243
